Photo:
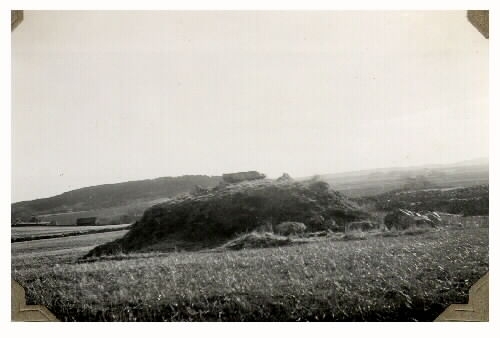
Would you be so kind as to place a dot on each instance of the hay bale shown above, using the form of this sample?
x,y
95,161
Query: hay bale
x,y
360,226
290,228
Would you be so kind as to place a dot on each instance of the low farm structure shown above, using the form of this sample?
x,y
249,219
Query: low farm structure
x,y
476,221
451,219
86,221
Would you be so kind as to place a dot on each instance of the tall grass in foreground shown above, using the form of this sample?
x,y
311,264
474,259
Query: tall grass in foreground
x,y
380,278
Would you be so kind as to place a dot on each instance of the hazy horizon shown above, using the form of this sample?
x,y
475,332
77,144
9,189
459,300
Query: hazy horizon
x,y
107,97
426,165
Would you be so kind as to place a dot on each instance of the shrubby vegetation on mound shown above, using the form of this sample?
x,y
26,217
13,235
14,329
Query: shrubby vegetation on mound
x,y
213,217
257,240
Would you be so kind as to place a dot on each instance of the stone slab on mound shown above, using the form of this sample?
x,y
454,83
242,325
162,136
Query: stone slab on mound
x,y
242,176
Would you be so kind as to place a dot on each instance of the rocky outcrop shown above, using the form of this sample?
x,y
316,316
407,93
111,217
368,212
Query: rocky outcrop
x,y
402,219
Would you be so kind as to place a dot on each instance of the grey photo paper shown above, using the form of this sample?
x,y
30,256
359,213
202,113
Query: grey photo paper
x,y
233,166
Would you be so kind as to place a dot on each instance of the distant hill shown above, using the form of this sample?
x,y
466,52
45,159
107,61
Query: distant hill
x,y
127,198
125,202
378,181
210,218
470,201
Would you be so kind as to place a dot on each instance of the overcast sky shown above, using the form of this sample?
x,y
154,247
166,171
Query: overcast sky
x,y
104,97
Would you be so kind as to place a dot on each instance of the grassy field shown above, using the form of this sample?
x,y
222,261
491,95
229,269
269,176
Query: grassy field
x,y
379,278
19,234
47,252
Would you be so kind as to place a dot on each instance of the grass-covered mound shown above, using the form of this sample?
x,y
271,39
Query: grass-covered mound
x,y
210,218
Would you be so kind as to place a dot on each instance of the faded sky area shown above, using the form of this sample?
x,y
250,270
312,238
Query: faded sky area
x,y
105,97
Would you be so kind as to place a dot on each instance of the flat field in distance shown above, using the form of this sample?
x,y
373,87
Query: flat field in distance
x,y
44,232
393,278
48,252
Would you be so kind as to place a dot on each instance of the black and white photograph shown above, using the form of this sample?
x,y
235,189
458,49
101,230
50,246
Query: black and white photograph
x,y
250,165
